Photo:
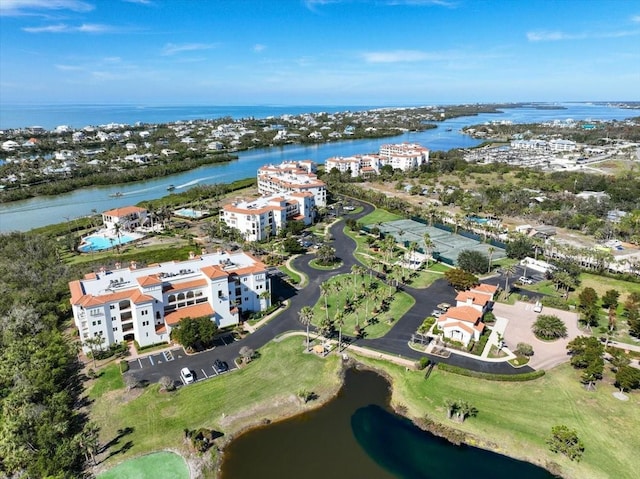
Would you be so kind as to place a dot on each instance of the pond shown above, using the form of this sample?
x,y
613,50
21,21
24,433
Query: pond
x,y
357,435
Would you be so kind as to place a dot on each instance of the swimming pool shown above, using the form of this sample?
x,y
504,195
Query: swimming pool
x,y
477,219
190,213
100,241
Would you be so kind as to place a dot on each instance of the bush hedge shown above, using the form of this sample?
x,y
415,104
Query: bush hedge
x,y
530,376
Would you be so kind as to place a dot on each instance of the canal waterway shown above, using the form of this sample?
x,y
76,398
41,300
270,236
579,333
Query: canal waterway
x,y
356,435
41,211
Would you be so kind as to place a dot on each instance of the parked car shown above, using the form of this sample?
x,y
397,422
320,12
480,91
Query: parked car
x,y
444,306
538,307
220,366
186,375
525,280
436,313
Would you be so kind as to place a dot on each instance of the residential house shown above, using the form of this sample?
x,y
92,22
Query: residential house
x,y
127,217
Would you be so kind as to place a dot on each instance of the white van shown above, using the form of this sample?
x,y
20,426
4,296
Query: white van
x,y
538,307
186,375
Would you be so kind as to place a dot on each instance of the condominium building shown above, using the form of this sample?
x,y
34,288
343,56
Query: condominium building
x,y
292,177
266,216
402,156
144,304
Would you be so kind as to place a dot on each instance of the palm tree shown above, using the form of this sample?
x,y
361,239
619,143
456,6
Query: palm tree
x,y
509,271
305,315
339,321
266,295
428,246
452,407
325,289
490,250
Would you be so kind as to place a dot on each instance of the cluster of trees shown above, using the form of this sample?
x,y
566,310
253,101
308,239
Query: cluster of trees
x,y
459,409
586,354
590,306
42,432
460,279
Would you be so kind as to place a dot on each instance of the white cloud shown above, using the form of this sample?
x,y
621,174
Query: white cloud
x,y
399,56
69,68
258,47
64,28
172,48
38,7
141,2
546,36
635,18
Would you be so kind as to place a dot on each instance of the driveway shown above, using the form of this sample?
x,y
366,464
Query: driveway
x,y
520,319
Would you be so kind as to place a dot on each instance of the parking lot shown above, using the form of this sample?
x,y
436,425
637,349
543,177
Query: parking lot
x,y
521,317
170,361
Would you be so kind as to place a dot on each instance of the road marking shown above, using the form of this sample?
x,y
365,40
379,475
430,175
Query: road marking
x,y
140,363
151,361
222,338
167,355
205,374
215,370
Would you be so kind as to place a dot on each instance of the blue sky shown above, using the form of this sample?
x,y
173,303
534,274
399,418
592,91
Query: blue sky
x,y
288,52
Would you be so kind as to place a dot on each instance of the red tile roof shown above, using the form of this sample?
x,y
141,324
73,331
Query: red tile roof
x,y
196,311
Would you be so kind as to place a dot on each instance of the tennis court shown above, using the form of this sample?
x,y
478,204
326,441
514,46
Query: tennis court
x,y
446,244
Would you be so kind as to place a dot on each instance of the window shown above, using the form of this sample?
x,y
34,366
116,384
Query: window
x,y
145,323
93,323
115,328
113,318
246,299
144,312
112,306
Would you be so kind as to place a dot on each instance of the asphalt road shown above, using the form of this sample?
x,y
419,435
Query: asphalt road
x,y
151,368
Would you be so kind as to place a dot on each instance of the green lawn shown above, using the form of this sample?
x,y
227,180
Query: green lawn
x,y
110,378
293,275
263,389
516,418
379,216
379,322
159,465
146,254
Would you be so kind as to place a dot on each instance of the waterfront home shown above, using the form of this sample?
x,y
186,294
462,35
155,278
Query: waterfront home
x,y
292,177
127,217
144,304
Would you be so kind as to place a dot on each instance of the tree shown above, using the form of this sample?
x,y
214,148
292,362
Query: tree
x,y
491,250
326,255
610,298
193,333
428,246
473,261
305,315
509,270
549,327
465,410
459,279
588,305
166,383
247,354
519,248
339,321
628,378
566,441
584,350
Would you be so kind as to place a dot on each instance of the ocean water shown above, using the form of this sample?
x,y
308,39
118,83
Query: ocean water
x,y
79,116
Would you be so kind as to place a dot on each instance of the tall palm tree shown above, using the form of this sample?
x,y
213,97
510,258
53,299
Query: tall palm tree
x,y
509,271
490,250
339,321
305,315
325,289
428,246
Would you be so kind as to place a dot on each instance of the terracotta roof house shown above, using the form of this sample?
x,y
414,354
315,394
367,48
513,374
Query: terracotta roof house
x,y
462,323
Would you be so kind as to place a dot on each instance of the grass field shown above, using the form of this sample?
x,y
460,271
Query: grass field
x,y
379,216
513,418
159,465
263,389
516,418
109,379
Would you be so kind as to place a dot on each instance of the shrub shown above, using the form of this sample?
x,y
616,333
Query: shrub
x,y
549,327
423,362
524,349
529,376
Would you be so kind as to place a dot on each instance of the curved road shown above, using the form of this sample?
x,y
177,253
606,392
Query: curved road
x,y
151,369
